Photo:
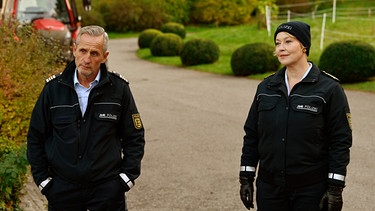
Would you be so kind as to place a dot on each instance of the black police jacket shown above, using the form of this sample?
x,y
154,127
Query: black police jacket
x,y
305,132
106,141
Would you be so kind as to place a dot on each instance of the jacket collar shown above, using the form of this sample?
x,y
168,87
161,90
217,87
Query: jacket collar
x,y
279,77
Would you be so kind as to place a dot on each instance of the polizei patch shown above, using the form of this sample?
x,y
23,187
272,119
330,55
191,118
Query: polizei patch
x,y
108,116
307,108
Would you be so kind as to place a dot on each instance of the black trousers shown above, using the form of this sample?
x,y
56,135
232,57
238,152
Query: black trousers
x,y
65,196
271,197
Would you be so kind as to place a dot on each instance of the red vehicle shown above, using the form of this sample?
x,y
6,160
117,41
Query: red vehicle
x,y
57,19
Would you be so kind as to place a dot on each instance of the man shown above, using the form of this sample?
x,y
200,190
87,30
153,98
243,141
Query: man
x,y
86,137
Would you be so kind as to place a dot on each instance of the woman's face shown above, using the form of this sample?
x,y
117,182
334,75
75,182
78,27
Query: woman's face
x,y
289,49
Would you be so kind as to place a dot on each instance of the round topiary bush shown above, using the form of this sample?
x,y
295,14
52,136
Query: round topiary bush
x,y
175,28
146,36
199,51
254,58
350,61
166,44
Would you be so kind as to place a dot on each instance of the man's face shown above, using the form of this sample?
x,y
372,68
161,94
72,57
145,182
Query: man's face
x,y
89,55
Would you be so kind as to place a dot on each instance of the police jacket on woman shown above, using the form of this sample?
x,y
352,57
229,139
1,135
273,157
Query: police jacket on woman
x,y
297,139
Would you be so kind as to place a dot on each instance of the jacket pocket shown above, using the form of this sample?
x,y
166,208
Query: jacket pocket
x,y
64,120
266,106
267,109
311,104
267,102
65,139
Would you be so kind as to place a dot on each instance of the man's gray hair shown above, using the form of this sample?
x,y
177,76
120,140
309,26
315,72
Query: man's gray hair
x,y
95,31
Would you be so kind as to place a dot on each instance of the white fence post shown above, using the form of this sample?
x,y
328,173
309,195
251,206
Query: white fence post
x,y
268,20
322,34
334,12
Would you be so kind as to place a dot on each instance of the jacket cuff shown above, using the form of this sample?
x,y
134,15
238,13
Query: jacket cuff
x,y
126,180
44,184
336,179
247,171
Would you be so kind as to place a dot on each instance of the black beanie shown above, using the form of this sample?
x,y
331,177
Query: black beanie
x,y
298,29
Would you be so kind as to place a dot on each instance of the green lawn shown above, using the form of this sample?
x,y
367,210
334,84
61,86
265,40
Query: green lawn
x,y
232,37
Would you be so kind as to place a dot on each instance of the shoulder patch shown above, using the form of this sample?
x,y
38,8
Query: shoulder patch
x,y
137,121
120,76
329,75
52,77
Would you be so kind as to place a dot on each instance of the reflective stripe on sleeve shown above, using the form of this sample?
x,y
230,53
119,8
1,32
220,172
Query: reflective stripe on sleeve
x,y
247,168
44,183
127,180
336,176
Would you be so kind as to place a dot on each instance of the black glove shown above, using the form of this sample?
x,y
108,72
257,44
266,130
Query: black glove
x,y
332,199
247,191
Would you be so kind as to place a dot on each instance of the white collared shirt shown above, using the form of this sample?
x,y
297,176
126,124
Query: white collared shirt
x,y
83,92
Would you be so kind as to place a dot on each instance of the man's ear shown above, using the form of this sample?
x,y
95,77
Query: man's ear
x,y
105,56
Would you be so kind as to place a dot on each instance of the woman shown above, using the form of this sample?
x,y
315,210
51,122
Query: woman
x,y
297,133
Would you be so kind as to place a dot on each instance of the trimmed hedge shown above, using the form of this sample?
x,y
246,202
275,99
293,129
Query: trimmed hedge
x,y
350,61
175,28
146,37
166,44
199,51
254,58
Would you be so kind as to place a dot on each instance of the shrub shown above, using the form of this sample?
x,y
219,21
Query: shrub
x,y
93,17
301,6
177,10
254,58
13,168
199,51
146,36
132,15
175,28
350,61
223,12
24,64
166,44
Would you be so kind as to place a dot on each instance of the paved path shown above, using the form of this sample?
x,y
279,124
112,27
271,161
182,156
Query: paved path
x,y
194,123
32,199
